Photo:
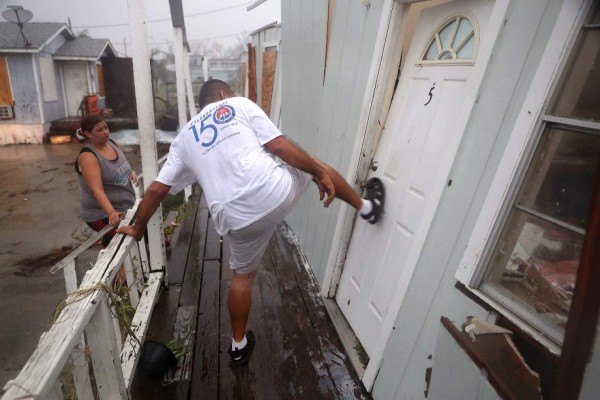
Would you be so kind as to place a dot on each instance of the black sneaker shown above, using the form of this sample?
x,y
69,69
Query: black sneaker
x,y
242,356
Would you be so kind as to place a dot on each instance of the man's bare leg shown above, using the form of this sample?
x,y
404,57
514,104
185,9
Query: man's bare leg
x,y
239,300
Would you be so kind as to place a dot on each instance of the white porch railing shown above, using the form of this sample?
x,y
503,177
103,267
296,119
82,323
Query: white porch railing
x,y
87,329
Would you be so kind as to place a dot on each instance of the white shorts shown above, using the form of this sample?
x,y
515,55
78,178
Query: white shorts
x,y
247,245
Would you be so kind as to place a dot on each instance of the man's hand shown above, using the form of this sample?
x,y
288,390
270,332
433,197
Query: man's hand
x,y
326,187
130,230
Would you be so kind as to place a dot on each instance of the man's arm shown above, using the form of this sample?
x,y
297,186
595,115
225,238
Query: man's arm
x,y
154,195
298,158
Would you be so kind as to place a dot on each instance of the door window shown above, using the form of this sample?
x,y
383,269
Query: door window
x,y
455,40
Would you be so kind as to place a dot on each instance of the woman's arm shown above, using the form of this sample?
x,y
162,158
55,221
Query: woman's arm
x,y
90,170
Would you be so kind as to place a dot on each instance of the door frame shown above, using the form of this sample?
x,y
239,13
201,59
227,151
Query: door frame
x,y
377,102
64,86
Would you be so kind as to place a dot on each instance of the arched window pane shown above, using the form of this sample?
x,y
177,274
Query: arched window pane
x,y
454,41
466,53
464,28
432,51
446,35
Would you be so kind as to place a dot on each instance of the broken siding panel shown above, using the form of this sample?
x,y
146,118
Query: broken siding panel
x,y
268,78
454,375
23,84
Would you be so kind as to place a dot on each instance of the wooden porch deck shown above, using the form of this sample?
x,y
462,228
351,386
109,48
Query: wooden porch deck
x,y
298,354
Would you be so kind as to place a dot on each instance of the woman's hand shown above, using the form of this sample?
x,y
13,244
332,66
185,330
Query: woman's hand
x,y
133,178
114,218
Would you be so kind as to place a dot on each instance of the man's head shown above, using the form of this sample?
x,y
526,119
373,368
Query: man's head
x,y
212,91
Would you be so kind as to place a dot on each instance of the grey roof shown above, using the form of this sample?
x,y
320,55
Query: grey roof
x,y
82,48
37,33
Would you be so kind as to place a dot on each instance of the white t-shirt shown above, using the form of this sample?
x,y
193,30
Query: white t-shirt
x,y
222,149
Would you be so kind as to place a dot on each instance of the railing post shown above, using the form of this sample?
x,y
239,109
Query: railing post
x,y
70,277
132,282
105,355
56,392
145,113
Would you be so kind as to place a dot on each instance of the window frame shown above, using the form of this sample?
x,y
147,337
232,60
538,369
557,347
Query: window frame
x,y
531,122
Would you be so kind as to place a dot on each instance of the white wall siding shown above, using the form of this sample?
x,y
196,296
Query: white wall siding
x,y
433,293
322,116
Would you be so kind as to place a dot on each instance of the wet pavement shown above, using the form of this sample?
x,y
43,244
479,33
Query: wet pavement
x,y
39,224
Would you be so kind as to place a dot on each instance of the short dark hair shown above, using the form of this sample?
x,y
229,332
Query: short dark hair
x,y
209,92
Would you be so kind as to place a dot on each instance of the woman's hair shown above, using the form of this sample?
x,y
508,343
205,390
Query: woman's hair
x,y
87,124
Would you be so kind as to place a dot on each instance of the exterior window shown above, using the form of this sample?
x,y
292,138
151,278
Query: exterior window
x,y
534,265
454,42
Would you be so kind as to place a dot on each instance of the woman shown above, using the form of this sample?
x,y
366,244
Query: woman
x,y
105,177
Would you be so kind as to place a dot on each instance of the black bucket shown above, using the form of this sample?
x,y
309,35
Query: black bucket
x,y
155,360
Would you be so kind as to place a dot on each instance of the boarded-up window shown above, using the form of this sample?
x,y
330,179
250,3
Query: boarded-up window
x,y
268,78
48,79
5,92
100,74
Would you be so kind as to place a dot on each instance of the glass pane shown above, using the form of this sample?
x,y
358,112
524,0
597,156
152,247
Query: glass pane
x,y
464,28
580,88
560,180
536,262
446,33
466,52
432,51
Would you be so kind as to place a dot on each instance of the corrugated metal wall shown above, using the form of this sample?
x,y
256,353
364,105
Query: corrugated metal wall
x,y
321,108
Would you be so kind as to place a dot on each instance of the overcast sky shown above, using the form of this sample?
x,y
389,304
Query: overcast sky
x,y
220,21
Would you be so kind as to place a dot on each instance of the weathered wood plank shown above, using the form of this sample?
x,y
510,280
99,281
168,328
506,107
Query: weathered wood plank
x,y
262,367
139,326
81,372
205,375
181,247
213,243
103,346
234,382
190,289
184,335
225,270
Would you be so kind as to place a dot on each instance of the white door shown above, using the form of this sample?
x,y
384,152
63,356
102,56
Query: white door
x,y
76,82
422,133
